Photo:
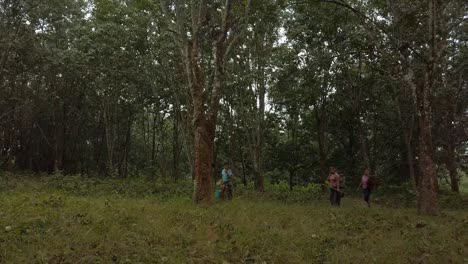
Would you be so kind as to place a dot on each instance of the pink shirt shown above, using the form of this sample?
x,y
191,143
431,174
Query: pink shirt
x,y
365,181
333,179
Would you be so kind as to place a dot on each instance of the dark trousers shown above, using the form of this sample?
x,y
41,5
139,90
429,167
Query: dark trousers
x,y
367,193
226,191
335,197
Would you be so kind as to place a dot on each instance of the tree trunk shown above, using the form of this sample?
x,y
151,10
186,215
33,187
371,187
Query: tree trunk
x,y
427,187
291,179
427,196
452,139
175,144
204,142
153,142
127,146
410,161
358,111
258,168
109,132
321,144
452,168
244,178
205,96
258,152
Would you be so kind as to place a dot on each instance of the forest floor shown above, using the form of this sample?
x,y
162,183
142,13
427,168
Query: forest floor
x,y
40,225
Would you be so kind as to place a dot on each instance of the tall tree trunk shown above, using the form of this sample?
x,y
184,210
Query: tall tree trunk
x,y
205,97
175,144
321,144
153,141
291,179
427,187
203,151
407,93
452,138
409,158
451,164
407,124
244,177
258,152
358,111
109,132
363,143
427,196
127,146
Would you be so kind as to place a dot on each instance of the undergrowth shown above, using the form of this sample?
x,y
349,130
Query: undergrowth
x,y
90,220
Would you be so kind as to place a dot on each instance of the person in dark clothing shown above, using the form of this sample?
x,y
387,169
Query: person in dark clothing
x,y
226,188
334,184
366,186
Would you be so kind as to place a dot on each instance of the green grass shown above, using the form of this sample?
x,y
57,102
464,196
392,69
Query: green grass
x,y
57,226
464,184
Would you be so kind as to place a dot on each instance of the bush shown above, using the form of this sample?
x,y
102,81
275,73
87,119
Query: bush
x,y
281,192
134,187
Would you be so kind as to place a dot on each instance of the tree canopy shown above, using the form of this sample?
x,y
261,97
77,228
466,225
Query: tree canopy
x,y
280,89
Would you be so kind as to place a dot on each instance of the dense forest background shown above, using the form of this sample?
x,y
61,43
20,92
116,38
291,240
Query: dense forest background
x,y
121,89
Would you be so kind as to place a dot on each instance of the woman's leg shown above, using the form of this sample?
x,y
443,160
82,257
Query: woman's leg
x,y
367,193
332,196
230,192
222,194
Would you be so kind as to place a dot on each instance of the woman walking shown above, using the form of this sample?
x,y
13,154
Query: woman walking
x,y
366,186
334,184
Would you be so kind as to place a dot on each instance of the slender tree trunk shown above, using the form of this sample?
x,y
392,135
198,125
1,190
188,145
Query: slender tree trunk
x,y
321,144
109,140
244,178
358,111
175,145
363,144
127,146
291,179
410,161
452,168
153,144
452,139
258,152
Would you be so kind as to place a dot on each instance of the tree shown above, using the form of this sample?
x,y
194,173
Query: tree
x,y
198,26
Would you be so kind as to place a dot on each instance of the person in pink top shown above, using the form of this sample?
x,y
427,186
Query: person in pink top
x,y
334,184
366,186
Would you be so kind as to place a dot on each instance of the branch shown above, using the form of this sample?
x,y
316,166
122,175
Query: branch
x,y
199,17
226,21
178,37
235,38
365,17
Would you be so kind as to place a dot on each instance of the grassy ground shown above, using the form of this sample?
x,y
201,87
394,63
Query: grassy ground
x,y
56,226
464,185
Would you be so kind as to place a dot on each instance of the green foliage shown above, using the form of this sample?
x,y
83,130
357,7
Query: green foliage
x,y
281,192
463,182
61,226
97,87
132,187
